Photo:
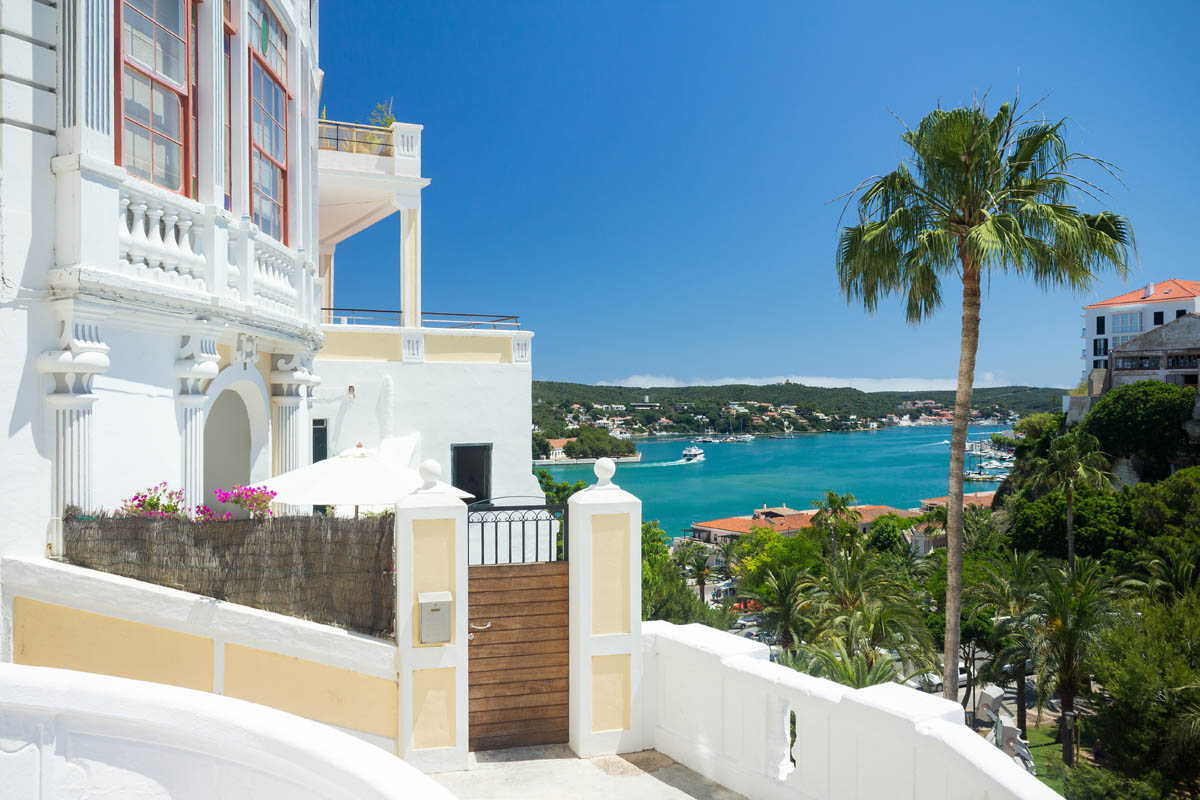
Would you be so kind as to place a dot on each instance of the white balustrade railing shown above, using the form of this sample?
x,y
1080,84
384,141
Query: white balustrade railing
x,y
716,704
162,238
158,236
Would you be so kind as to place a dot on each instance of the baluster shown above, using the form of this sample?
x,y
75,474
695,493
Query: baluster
x,y
138,243
183,244
123,236
154,238
172,262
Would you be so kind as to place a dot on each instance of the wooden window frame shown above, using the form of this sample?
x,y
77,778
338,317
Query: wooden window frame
x,y
185,96
260,59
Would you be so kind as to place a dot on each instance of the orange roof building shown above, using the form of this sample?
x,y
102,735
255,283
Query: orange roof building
x,y
782,519
969,499
1112,322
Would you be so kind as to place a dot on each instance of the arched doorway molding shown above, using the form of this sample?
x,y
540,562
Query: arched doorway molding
x,y
249,385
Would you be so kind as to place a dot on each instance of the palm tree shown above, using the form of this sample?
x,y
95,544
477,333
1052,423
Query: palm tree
x,y
694,557
730,554
837,517
834,663
978,195
1172,574
1068,612
781,600
1008,586
1074,461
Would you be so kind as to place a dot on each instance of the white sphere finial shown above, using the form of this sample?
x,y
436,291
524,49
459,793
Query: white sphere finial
x,y
605,469
430,471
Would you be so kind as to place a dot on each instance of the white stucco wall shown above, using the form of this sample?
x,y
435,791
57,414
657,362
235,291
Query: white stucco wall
x,y
68,734
445,403
715,703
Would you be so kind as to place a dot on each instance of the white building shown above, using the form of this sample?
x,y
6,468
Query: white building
x,y
1112,322
169,211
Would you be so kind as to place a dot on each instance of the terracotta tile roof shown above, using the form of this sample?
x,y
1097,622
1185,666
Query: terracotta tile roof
x,y
796,520
557,444
969,499
1172,289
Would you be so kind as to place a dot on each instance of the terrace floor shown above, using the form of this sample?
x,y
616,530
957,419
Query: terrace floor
x,y
552,772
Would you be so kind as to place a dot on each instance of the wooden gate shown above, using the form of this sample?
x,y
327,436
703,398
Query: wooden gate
x,y
518,655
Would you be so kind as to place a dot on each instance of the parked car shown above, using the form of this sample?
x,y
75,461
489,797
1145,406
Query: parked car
x,y
932,681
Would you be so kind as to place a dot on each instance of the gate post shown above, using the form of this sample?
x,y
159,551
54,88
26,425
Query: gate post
x,y
605,578
431,556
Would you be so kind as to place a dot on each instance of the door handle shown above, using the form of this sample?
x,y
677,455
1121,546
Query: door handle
x,y
481,627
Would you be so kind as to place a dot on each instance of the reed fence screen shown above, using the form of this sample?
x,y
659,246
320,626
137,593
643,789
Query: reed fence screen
x,y
330,570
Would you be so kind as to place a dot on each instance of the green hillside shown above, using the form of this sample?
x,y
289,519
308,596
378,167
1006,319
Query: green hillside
x,y
1022,399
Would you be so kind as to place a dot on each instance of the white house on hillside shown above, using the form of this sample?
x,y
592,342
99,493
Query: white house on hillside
x,y
1112,322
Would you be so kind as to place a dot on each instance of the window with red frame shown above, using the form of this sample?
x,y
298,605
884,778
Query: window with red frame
x,y
153,91
268,121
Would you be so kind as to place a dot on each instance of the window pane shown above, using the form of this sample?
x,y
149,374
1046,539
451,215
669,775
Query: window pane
x,y
136,149
169,14
168,163
139,38
144,6
136,93
166,113
171,58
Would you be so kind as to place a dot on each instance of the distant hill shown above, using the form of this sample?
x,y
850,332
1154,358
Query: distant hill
x,y
1022,399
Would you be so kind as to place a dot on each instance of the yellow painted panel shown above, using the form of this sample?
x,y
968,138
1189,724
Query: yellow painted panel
x,y
610,573
318,691
224,356
433,567
610,693
362,345
49,635
433,708
451,349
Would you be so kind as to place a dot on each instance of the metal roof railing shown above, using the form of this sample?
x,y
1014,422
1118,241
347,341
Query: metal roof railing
x,y
350,137
430,319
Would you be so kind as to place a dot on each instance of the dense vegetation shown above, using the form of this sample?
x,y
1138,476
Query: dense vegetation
x,y
1116,638
588,442
1022,399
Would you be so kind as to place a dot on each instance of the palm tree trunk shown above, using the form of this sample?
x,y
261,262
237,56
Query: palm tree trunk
x,y
958,450
1071,527
1020,676
1068,731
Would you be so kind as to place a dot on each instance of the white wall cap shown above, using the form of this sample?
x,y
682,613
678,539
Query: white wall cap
x,y
984,757
432,499
221,727
909,703
708,640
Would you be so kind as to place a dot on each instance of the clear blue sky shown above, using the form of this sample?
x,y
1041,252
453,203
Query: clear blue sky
x,y
647,183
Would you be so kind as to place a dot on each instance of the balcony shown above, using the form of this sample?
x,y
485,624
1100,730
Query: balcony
x,y
363,334
366,173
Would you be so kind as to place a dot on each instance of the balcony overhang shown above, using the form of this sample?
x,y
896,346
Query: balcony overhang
x,y
365,174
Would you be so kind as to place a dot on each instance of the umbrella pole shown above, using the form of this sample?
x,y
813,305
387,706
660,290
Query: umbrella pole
x,y
356,512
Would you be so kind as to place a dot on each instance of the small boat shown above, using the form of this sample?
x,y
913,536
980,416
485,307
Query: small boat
x,y
693,453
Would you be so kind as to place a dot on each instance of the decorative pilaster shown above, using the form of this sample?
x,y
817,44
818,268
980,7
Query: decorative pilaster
x,y
195,367
290,377
80,357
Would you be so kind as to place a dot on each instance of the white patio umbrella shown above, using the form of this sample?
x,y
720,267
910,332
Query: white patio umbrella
x,y
357,477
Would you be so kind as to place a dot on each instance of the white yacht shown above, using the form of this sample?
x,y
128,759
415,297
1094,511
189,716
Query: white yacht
x,y
693,453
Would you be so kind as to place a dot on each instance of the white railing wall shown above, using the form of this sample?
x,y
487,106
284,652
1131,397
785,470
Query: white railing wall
x,y
73,734
715,703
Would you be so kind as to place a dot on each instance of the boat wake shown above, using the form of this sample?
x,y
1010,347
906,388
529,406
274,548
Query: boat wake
x,y
678,463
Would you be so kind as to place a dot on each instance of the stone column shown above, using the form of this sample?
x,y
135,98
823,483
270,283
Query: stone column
x,y
431,556
605,619
81,356
290,377
195,367
410,264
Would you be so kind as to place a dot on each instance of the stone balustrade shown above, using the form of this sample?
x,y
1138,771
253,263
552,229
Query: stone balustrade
x,y
158,235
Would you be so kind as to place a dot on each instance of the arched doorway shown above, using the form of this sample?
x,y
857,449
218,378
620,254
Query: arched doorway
x,y
226,447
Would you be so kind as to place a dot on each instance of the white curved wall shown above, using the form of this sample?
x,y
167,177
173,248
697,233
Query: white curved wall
x,y
66,734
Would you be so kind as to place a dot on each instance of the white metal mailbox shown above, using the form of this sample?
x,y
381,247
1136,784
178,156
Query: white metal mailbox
x,y
436,617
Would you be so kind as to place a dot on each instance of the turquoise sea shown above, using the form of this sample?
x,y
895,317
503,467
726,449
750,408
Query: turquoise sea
x,y
893,466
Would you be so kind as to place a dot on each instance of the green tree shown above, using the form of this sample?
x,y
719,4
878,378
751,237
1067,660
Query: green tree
x,y
983,530
1146,662
1007,587
557,492
541,446
1035,426
694,558
766,550
781,603
886,534
833,662
1074,461
837,519
730,553
977,195
1170,507
666,594
1143,420
1068,613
